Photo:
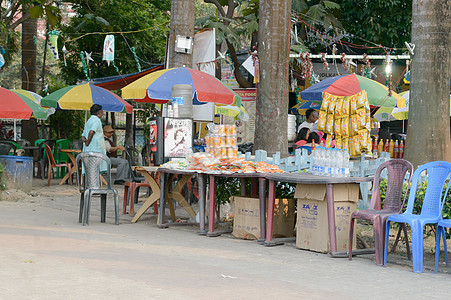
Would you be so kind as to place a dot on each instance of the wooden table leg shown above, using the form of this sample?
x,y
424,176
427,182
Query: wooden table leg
x,y
331,217
270,224
176,194
254,187
243,187
262,197
211,213
201,181
163,192
156,194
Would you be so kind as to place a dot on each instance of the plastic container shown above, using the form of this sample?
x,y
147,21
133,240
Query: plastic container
x,y
182,94
18,172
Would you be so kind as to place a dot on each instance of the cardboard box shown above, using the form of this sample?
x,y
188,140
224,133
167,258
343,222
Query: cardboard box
x,y
246,221
312,228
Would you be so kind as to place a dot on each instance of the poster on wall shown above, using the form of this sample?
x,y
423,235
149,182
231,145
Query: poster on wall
x,y
178,137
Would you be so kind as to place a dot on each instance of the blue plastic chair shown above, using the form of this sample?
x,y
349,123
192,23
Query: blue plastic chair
x,y
441,230
431,212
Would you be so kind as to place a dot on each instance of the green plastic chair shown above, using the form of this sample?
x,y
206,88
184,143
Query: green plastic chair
x,y
61,157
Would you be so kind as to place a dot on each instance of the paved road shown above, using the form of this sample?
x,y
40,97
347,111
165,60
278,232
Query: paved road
x,y
46,254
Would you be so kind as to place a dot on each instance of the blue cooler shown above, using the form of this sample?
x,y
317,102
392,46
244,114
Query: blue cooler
x,y
18,172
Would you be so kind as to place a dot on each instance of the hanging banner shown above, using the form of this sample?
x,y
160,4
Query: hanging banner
x,y
108,48
53,44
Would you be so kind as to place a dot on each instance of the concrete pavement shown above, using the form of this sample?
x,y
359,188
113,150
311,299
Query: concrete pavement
x,y
46,254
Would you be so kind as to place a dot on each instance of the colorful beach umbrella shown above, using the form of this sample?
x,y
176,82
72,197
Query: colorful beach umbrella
x,y
17,106
396,113
351,84
83,96
303,106
237,112
407,78
156,87
36,98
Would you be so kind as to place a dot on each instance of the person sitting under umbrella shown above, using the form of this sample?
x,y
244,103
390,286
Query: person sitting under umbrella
x,y
123,169
302,137
312,120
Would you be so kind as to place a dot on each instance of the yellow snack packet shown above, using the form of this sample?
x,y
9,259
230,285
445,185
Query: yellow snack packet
x,y
363,137
354,125
328,140
345,144
367,103
361,117
345,106
368,121
356,145
332,102
345,127
338,107
325,102
370,144
322,120
337,127
329,124
353,104
361,99
338,143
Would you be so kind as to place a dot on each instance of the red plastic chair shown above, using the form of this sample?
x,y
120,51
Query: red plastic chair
x,y
52,164
396,172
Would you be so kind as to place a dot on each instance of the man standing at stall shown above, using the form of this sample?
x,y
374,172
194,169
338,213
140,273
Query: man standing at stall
x,y
123,169
312,120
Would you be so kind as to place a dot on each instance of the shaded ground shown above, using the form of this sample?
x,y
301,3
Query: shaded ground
x,y
46,254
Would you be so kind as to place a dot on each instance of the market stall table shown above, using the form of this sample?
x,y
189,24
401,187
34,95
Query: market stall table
x,y
261,192
306,178
70,154
147,173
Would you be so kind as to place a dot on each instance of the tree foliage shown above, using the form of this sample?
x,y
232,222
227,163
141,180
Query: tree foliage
x,y
145,17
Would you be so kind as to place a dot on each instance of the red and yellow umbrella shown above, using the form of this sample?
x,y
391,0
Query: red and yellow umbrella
x,y
17,106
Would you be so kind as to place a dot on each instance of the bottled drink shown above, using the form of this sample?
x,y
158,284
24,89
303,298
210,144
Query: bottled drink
x,y
375,148
380,148
313,162
396,150
339,163
391,147
386,146
401,149
346,157
321,158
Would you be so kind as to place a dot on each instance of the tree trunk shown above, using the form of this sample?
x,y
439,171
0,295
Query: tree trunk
x,y
129,130
428,132
182,23
29,70
272,90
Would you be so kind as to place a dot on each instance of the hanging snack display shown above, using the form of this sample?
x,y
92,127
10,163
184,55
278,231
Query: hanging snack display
x,y
348,119
221,141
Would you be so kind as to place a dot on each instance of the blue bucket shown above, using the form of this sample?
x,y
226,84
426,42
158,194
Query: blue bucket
x,y
18,172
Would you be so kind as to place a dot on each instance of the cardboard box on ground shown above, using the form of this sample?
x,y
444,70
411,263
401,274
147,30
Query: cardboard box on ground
x,y
246,221
312,230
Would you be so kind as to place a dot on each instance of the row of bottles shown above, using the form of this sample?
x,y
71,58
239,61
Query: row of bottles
x,y
395,149
330,162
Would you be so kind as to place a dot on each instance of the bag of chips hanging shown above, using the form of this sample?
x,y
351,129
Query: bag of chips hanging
x,y
332,102
368,121
339,107
367,103
370,144
361,117
345,127
355,148
329,124
345,106
337,127
325,102
363,137
354,125
338,143
361,99
329,141
353,104
322,120
345,144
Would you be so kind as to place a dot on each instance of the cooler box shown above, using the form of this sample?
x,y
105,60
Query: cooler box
x,y
312,226
18,172
246,218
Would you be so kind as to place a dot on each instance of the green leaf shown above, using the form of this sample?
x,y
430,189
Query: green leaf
x,y
36,12
331,5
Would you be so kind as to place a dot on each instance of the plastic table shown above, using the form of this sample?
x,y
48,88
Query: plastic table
x,y
307,178
70,154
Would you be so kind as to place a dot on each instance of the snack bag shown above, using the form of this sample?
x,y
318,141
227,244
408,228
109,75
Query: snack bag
x,y
368,120
361,117
345,106
370,145
353,104
322,120
355,145
332,102
329,124
339,107
363,137
337,127
354,125
345,127
361,99
338,143
367,104
329,141
325,102
345,144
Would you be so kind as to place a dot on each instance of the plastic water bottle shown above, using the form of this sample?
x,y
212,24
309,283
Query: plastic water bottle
x,y
313,162
328,162
339,165
321,160
347,172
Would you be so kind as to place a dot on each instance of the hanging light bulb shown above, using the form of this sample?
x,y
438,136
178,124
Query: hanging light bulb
x,y
388,65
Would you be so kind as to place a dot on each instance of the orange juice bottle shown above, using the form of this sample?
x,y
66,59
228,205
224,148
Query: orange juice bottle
x,y
391,148
380,148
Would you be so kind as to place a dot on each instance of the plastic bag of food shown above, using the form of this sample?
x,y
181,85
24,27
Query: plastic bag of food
x,y
329,124
363,137
338,143
345,144
337,127
345,127
368,121
332,102
353,104
355,145
354,125
361,99
329,141
367,103
325,102
339,107
322,120
345,106
361,117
